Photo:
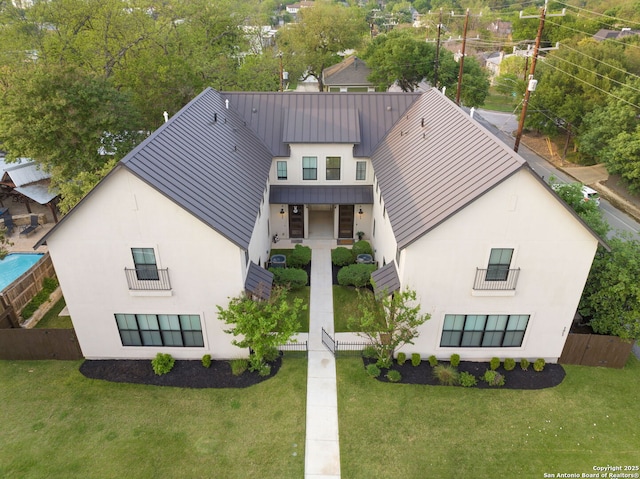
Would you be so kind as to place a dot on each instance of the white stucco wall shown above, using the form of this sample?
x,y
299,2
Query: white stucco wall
x,y
383,241
260,243
91,249
552,249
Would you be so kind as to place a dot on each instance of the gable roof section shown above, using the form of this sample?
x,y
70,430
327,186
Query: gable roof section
x,y
386,279
351,71
199,158
341,125
259,281
435,161
265,115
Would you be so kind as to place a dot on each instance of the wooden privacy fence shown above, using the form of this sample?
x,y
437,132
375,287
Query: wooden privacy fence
x,y
595,350
19,343
23,289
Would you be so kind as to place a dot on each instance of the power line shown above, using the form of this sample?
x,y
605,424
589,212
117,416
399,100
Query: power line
x,y
595,73
599,14
590,35
593,86
622,70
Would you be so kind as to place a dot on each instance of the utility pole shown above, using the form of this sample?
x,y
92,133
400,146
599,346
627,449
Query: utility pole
x,y
437,62
464,43
531,85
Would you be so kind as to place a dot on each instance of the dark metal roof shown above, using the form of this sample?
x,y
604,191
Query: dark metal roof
x,y
199,158
321,195
434,162
334,125
265,114
386,279
352,71
259,281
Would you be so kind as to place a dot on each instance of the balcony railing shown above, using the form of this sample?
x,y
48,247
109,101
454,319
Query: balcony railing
x,y
492,284
148,280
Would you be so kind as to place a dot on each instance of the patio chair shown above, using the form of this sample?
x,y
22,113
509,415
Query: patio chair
x,y
8,223
30,228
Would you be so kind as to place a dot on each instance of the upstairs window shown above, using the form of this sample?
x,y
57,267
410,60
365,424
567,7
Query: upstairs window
x,y
333,167
361,170
282,170
309,168
499,263
144,261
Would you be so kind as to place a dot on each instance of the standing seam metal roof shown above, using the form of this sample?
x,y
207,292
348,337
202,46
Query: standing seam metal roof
x,y
435,161
199,158
265,114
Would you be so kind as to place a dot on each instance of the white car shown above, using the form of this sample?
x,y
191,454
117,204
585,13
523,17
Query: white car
x,y
591,195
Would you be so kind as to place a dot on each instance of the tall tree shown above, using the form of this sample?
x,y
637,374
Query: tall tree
x,y
312,43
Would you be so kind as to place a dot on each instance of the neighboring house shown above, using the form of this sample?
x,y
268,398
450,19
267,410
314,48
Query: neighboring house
x,y
492,63
294,8
350,75
500,28
188,219
604,34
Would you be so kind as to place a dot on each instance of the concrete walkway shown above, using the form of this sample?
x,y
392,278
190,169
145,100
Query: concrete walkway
x,y
322,447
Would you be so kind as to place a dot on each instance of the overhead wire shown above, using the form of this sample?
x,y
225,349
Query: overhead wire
x,y
596,13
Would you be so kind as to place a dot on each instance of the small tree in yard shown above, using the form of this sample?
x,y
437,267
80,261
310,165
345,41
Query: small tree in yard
x,y
263,325
388,321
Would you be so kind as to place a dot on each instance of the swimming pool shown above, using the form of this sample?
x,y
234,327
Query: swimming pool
x,y
14,265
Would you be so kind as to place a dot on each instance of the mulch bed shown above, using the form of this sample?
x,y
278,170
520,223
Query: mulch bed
x,y
185,373
550,376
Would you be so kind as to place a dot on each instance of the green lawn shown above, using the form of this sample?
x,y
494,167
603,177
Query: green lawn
x,y
302,293
345,305
498,102
394,430
58,424
52,320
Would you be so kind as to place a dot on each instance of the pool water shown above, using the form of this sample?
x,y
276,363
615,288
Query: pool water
x,y
14,265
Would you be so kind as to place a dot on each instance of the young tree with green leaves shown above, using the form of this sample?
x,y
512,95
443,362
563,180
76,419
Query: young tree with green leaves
x,y
388,321
589,211
262,325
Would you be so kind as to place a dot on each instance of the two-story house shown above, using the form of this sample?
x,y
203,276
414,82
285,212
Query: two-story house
x,y
188,219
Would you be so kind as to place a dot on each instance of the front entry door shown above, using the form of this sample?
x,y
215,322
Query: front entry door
x,y
345,221
296,221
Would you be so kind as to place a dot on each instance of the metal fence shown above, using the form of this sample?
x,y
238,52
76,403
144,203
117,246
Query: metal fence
x,y
299,346
509,282
343,348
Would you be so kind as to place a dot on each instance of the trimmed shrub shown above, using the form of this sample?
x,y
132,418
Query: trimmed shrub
x,y
361,247
358,275
264,370
433,361
291,277
524,364
467,380
384,363
394,376
494,363
162,363
538,365
493,378
238,366
369,352
415,359
271,354
401,359
509,364
455,360
447,375
206,360
301,256
342,256
373,370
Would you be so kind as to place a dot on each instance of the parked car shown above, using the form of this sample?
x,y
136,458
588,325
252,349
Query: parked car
x,y
591,195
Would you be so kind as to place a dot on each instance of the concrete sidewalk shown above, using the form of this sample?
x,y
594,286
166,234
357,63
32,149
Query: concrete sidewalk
x,y
322,446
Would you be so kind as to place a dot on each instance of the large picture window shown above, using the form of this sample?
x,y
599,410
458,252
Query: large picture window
x,y
333,167
309,168
484,331
499,263
144,261
181,330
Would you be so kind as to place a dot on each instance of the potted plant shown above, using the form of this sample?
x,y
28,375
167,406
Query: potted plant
x,y
360,235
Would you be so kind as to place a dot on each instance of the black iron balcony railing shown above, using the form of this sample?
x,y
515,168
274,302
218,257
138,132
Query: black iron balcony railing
x,y
148,279
492,280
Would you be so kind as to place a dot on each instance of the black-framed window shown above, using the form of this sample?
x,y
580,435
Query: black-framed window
x,y
333,167
144,261
309,168
484,330
281,167
175,330
361,170
499,263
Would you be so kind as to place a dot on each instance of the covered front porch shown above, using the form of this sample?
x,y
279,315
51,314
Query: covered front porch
x,y
320,212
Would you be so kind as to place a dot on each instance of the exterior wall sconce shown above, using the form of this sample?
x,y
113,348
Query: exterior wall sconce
x,y
282,211
360,212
